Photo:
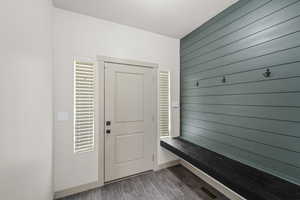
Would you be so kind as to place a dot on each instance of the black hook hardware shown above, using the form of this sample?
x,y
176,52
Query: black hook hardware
x,y
267,73
224,79
197,84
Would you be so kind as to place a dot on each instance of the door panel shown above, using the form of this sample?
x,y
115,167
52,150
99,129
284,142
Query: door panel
x,y
129,106
129,97
129,147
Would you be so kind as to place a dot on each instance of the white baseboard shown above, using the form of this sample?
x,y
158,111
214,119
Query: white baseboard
x,y
89,186
211,181
205,177
168,164
75,190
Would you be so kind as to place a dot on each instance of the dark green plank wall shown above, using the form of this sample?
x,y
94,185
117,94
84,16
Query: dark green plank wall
x,y
250,118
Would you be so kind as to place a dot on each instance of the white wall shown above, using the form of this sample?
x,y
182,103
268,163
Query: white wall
x,y
25,100
82,36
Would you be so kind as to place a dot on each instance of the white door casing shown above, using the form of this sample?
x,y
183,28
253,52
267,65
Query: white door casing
x,y
130,108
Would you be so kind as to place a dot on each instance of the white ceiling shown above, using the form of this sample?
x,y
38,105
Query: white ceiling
x,y
174,18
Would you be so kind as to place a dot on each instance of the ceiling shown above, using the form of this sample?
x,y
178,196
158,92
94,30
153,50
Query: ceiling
x,y
174,18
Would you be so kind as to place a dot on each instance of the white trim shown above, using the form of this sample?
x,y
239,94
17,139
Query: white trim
x,y
89,186
174,109
155,120
211,181
75,190
100,119
168,164
205,177
107,59
101,60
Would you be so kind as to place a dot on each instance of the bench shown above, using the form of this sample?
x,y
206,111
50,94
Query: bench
x,y
249,182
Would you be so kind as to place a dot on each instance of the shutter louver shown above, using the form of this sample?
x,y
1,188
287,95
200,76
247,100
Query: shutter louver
x,y
164,103
84,111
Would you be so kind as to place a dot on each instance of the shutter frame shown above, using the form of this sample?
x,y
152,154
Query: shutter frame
x,y
164,103
84,107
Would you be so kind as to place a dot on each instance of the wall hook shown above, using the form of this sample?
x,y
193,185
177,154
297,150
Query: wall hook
x,y
267,73
197,83
224,79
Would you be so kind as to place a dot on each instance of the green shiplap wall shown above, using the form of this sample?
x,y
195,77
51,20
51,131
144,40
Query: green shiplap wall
x,y
250,118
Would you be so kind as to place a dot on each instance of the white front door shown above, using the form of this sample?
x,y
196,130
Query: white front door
x,y
129,128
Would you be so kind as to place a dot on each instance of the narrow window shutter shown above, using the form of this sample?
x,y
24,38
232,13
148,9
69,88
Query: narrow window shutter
x,y
84,109
164,103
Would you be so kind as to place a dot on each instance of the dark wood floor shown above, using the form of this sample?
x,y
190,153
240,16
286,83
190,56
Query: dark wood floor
x,y
175,183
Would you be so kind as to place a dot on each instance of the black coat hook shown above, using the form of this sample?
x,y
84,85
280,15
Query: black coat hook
x,y
224,79
267,73
197,83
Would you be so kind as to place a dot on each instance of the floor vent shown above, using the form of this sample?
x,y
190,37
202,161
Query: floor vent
x,y
211,195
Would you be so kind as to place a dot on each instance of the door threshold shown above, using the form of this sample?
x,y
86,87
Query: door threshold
x,y
128,177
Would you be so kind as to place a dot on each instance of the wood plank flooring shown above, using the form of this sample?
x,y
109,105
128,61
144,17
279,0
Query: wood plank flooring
x,y
174,183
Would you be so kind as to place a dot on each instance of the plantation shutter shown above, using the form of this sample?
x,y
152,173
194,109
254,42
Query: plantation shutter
x,y
84,108
164,103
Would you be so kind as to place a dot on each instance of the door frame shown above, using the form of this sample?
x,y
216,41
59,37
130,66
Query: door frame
x,y
101,60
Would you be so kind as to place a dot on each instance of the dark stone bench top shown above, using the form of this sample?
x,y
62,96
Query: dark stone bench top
x,y
247,181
